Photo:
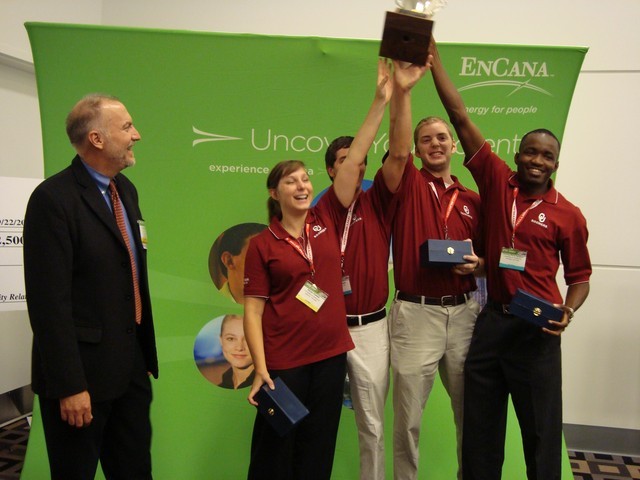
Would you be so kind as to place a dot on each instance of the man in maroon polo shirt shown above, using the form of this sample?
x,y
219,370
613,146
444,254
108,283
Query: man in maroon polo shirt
x,y
433,315
530,227
365,232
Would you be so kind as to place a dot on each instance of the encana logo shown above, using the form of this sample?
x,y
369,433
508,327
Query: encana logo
x,y
504,72
209,137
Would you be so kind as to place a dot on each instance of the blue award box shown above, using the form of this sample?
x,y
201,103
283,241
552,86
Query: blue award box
x,y
280,407
445,253
534,309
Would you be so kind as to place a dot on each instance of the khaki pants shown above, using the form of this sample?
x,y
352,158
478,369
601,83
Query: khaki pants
x,y
425,338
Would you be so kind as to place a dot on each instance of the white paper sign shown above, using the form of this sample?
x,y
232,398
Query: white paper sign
x,y
15,194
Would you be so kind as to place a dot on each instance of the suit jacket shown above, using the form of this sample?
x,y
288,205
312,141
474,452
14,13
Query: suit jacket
x,y
79,289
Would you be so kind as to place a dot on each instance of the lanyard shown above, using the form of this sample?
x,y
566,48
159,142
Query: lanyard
x,y
447,214
345,235
515,222
307,254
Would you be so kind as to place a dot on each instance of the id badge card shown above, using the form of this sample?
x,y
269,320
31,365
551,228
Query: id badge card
x,y
346,285
312,296
143,233
513,259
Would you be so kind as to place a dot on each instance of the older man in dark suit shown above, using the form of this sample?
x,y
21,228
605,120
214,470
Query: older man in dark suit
x,y
88,300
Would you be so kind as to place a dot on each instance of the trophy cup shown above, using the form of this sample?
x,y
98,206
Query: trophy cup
x,y
407,31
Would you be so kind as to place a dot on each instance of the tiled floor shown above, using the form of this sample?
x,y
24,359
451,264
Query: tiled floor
x,y
13,445
602,466
585,465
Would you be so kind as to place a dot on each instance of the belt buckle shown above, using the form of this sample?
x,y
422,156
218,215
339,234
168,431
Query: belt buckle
x,y
448,301
505,309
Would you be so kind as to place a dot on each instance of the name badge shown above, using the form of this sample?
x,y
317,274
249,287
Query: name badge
x,y
513,259
346,285
143,233
312,296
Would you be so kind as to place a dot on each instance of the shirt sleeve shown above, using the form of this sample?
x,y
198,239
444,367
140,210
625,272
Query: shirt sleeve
x,y
384,201
574,252
486,167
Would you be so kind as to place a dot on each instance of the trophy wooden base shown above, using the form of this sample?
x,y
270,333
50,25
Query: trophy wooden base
x,y
406,37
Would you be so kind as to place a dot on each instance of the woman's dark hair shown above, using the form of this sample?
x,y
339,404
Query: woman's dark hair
x,y
282,169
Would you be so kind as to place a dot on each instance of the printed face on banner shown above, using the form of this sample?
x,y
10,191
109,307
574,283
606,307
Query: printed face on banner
x,y
226,259
234,344
221,353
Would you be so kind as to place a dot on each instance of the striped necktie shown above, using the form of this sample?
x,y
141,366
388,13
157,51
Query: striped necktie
x,y
119,214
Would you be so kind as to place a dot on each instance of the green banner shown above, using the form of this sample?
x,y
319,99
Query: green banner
x,y
215,112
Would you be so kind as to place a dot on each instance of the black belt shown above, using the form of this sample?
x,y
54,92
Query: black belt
x,y
500,307
357,320
445,301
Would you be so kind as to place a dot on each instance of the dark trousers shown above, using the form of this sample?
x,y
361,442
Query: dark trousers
x,y
509,356
307,451
119,435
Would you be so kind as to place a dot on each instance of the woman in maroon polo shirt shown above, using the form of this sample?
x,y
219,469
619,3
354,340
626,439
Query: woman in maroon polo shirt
x,y
295,324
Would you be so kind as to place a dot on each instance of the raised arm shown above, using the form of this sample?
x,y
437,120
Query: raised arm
x,y
405,76
470,136
346,181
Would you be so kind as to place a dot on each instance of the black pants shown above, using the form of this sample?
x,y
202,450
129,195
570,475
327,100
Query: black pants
x,y
119,435
509,356
307,451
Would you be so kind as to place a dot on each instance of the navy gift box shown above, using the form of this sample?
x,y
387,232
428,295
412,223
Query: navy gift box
x,y
280,407
445,253
534,309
